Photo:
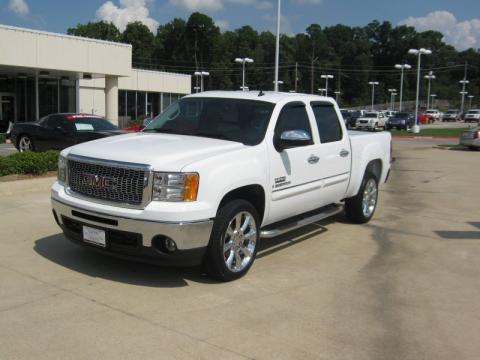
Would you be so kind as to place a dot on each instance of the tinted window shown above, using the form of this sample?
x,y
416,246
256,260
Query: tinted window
x,y
293,117
92,124
370,115
237,120
402,115
327,122
55,121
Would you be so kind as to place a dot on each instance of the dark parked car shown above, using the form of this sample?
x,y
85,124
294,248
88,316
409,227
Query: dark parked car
x,y
59,131
354,116
401,121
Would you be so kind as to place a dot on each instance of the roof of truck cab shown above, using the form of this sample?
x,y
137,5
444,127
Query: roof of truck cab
x,y
269,96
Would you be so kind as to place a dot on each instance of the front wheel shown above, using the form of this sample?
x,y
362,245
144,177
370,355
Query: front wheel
x,y
360,208
233,242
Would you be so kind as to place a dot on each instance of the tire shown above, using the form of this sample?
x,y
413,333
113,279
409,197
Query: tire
x,y
25,143
228,224
354,209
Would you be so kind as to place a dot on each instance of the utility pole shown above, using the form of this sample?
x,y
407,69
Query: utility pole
x,y
464,82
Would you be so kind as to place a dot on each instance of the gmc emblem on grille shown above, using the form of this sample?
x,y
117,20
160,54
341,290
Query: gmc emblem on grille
x,y
99,182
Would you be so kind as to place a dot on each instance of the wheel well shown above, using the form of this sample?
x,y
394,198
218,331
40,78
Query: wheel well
x,y
19,136
375,167
254,194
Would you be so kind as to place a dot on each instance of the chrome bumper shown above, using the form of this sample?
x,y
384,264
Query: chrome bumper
x,y
187,235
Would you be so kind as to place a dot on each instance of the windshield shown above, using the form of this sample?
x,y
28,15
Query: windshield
x,y
93,124
370,115
402,115
451,112
474,112
237,120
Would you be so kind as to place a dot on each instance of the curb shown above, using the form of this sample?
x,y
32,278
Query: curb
x,y
425,137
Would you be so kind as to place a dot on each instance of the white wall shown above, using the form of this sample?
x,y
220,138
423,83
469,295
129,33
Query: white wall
x,y
50,51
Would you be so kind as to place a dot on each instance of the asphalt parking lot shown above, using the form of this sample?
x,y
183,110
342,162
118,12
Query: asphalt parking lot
x,y
405,286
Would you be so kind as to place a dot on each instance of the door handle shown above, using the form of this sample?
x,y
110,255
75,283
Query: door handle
x,y
313,159
344,153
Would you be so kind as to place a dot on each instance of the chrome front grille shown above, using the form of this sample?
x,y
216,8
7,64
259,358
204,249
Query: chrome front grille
x,y
108,181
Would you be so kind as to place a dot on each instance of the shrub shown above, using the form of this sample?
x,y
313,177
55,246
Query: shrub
x,y
29,163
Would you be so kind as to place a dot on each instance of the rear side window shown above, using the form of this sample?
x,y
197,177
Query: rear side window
x,y
293,117
327,122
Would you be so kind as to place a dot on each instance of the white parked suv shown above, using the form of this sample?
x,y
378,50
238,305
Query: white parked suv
x,y
372,120
472,115
215,173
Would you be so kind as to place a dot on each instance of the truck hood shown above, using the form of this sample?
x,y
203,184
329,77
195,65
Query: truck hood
x,y
165,152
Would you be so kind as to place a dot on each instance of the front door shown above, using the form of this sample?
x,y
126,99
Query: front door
x,y
7,110
295,176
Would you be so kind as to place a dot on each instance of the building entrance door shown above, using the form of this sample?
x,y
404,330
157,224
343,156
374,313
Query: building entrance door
x,y
7,110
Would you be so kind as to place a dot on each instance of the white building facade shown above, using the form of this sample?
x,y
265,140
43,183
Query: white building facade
x,y
43,73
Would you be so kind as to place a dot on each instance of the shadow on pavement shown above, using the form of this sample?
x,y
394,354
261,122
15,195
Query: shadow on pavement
x,y
61,251
462,235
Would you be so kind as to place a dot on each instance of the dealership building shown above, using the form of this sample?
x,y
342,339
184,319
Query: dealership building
x,y
43,73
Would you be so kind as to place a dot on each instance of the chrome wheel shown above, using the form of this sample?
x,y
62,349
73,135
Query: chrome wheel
x,y
240,241
25,144
369,200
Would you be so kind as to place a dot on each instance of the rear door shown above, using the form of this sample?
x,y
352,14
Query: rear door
x,y
334,152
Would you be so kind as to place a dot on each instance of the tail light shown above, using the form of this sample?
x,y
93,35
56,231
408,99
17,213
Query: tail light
x,y
476,135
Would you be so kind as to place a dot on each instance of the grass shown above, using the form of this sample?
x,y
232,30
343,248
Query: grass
x,y
454,132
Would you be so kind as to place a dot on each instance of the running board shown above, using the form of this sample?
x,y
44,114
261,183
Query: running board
x,y
298,222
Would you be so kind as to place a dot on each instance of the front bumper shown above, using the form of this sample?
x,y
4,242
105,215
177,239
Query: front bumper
x,y
137,239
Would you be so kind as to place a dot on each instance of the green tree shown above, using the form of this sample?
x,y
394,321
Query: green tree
x,y
96,30
143,44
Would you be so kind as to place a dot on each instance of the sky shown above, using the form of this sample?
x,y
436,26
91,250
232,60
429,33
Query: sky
x,y
458,20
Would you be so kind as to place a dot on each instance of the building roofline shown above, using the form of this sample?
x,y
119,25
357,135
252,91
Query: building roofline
x,y
162,72
41,32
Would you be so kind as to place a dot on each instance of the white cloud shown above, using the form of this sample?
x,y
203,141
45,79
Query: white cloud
x,y
462,35
215,5
128,11
222,24
19,7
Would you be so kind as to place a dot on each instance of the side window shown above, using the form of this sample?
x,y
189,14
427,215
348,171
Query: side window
x,y
55,121
328,125
293,117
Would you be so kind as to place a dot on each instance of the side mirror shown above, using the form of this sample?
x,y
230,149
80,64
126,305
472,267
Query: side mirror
x,y
291,139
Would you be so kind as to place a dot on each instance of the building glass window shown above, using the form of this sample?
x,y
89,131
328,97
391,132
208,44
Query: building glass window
x,y
131,105
67,95
141,105
47,96
121,103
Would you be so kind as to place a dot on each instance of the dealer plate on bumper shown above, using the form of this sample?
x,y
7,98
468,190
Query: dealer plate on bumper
x,y
94,236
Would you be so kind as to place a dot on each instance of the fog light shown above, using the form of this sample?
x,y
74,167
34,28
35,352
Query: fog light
x,y
170,245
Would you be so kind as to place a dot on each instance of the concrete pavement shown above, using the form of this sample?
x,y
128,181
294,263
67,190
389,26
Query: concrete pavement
x,y
405,286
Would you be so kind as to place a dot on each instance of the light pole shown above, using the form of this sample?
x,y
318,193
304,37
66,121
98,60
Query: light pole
x,y
243,61
326,77
322,90
196,88
429,77
433,96
470,97
337,94
373,83
419,53
464,82
392,91
402,67
278,83
277,48
201,74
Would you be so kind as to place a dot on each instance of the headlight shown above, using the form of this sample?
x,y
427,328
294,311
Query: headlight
x,y
62,169
175,186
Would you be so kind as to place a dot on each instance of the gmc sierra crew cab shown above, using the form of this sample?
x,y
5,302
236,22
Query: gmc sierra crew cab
x,y
215,173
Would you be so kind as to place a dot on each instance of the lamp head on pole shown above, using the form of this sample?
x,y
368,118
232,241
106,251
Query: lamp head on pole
x,y
373,83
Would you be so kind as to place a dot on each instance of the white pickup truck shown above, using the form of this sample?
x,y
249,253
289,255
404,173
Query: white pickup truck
x,y
215,173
